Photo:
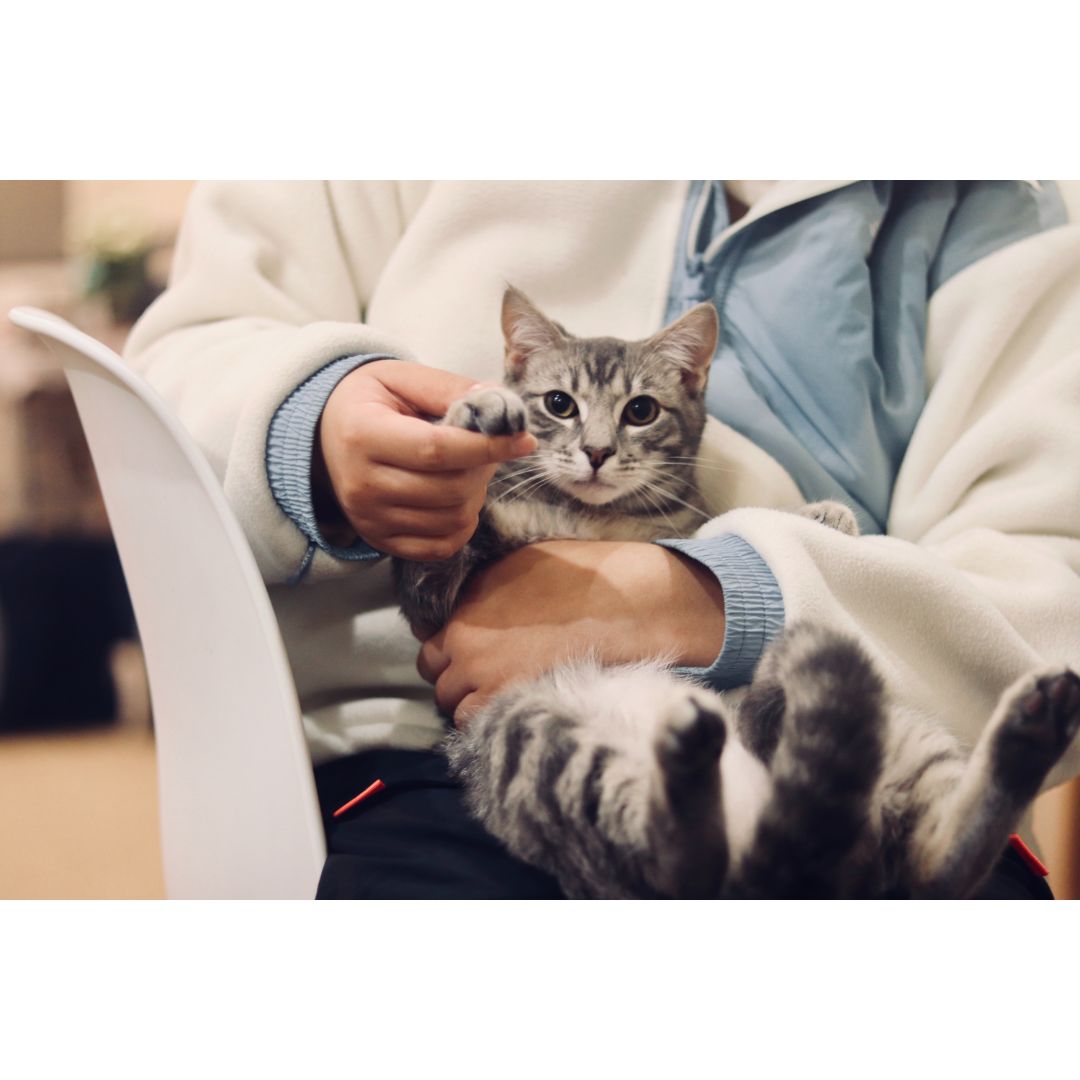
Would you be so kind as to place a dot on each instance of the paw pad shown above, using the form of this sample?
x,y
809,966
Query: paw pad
x,y
489,410
694,735
1041,723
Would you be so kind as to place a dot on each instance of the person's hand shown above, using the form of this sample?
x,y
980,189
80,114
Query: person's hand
x,y
560,599
407,486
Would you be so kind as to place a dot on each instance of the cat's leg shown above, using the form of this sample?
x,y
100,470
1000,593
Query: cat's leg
x,y
760,714
685,822
607,778
958,835
833,514
821,692
428,591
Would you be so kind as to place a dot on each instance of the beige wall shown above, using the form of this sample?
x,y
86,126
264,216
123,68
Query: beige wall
x,y
43,219
31,219
159,204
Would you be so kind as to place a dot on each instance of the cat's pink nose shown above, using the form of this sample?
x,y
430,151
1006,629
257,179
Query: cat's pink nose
x,y
597,456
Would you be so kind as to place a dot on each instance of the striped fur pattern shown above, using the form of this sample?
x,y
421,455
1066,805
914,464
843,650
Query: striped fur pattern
x,y
629,782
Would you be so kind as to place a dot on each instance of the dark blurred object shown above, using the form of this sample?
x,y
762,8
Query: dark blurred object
x,y
63,604
125,283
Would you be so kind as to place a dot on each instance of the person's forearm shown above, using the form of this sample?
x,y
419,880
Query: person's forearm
x,y
563,600
680,607
258,303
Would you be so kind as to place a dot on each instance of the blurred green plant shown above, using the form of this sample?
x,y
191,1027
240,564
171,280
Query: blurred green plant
x,y
116,251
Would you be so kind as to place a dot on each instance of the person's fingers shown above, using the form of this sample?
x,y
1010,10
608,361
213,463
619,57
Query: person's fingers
x,y
432,660
430,390
423,548
467,709
421,631
403,521
385,501
451,688
410,443
402,487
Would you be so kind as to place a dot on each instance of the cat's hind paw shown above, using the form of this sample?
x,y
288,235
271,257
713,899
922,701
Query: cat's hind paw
x,y
1035,722
687,834
489,410
692,737
1040,721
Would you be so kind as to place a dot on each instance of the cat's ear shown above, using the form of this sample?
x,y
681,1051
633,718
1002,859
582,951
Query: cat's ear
x,y
690,343
526,330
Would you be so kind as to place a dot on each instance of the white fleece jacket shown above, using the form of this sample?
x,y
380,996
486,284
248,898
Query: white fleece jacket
x,y
977,581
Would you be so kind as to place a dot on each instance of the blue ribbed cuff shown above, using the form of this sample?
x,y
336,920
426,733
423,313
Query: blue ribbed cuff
x,y
289,445
753,606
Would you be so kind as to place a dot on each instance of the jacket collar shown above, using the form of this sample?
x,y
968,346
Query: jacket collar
x,y
784,193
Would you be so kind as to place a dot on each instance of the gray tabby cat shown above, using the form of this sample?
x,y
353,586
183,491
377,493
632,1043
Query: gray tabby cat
x,y
632,782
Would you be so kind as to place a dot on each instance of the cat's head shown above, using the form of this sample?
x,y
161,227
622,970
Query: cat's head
x,y
614,418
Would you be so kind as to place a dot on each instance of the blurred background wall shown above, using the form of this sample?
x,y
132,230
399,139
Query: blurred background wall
x,y
32,214
78,814
44,219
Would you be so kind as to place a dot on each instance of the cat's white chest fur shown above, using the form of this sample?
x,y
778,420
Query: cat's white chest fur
x,y
526,521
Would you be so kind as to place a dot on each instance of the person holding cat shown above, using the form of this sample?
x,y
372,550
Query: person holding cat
x,y
948,425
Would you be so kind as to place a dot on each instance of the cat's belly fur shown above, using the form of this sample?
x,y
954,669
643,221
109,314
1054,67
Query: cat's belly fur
x,y
528,521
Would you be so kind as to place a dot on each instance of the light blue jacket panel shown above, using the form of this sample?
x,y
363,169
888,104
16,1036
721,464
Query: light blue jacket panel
x,y
822,309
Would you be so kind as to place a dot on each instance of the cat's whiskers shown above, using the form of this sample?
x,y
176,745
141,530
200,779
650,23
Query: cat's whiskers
x,y
525,491
669,496
656,505
663,469
696,461
523,485
528,468
535,476
653,470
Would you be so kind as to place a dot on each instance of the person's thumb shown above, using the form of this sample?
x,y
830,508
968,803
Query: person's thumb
x,y
426,389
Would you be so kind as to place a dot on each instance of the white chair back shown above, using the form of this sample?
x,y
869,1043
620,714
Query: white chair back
x,y
239,814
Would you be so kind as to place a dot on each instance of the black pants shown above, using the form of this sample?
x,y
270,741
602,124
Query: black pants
x,y
416,841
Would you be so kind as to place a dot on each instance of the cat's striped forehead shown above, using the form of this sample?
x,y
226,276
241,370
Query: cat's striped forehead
x,y
603,368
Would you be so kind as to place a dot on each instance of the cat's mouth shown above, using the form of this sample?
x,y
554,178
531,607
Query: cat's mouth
x,y
594,490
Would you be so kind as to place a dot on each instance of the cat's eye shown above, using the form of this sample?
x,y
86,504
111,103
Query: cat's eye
x,y
641,410
561,405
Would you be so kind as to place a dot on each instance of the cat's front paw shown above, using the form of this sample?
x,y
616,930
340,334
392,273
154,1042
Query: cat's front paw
x,y
833,514
490,410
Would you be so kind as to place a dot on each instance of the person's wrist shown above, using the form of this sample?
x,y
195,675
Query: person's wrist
x,y
682,606
330,518
706,628
667,605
